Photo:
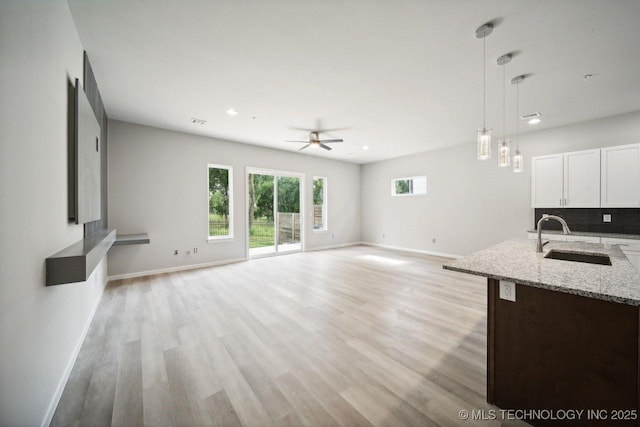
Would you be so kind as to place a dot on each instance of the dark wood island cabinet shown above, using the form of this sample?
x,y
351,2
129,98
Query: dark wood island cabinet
x,y
566,351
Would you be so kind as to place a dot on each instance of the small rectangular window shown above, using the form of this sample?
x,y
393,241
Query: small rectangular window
x,y
220,202
412,186
320,203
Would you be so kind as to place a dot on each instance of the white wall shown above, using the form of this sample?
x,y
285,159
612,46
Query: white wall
x,y
40,327
471,204
158,184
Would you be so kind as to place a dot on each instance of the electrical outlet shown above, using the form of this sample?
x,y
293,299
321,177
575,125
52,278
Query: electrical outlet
x,y
433,240
508,291
606,218
175,252
195,250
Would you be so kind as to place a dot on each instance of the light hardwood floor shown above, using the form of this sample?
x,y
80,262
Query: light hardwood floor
x,y
356,336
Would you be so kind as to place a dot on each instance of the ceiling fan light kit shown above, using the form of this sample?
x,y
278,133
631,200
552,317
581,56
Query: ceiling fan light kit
x,y
315,142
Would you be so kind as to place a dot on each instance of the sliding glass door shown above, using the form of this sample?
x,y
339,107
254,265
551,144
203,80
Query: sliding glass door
x,y
274,220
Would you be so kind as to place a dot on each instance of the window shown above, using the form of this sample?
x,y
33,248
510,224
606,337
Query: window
x,y
220,202
412,186
320,203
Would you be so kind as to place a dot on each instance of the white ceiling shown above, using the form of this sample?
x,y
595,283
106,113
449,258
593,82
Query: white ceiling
x,y
401,76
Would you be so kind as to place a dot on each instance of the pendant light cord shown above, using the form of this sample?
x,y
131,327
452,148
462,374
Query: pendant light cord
x,y
517,116
504,103
484,83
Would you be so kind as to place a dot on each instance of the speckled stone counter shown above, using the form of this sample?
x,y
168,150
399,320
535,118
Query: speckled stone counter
x,y
517,261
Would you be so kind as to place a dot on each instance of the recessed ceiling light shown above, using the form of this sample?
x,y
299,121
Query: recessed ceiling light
x,y
365,147
195,121
232,112
534,121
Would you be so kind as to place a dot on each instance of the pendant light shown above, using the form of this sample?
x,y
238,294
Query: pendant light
x,y
504,150
518,161
484,134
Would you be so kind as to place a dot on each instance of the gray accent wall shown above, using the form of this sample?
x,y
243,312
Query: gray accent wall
x,y
471,204
41,328
158,184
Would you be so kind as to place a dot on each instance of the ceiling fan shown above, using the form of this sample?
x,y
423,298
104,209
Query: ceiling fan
x,y
315,142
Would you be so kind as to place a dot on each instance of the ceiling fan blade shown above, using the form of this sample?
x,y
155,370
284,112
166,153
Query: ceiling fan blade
x,y
304,147
305,142
326,147
328,141
333,130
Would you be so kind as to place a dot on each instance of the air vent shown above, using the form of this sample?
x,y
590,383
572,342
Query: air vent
x,y
195,121
530,116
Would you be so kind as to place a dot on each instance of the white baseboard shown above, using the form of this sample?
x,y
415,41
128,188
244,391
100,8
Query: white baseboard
x,y
417,251
174,269
211,264
53,405
236,260
341,245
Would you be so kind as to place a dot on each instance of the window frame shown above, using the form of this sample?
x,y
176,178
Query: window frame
x,y
393,186
325,204
231,234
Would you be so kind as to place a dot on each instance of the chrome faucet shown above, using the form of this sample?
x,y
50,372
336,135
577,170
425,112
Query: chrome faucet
x,y
565,229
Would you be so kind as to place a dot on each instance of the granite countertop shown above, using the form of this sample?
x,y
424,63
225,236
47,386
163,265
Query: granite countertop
x,y
591,233
517,261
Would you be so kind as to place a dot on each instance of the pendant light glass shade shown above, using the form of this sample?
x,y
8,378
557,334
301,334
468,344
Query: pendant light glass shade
x,y
518,162
484,144
504,153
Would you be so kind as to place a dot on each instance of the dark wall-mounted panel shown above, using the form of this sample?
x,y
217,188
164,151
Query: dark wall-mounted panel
x,y
95,99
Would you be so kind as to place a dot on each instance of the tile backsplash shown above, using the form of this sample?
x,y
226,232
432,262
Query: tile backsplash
x,y
623,220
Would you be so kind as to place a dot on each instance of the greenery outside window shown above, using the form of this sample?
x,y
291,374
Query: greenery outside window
x,y
320,203
411,186
220,202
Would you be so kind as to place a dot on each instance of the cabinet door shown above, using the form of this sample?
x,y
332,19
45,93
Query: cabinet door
x,y
621,176
582,179
546,181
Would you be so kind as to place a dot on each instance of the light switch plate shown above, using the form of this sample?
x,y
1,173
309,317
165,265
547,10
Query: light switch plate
x,y
508,291
606,218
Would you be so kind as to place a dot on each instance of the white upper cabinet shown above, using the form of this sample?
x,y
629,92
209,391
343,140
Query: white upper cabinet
x,y
547,181
621,176
582,179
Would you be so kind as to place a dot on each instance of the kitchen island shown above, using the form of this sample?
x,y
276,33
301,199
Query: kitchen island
x,y
561,335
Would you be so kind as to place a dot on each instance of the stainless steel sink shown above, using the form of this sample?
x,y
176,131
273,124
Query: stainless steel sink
x,y
579,257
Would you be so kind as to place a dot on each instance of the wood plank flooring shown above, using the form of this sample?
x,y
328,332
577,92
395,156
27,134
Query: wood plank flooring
x,y
357,336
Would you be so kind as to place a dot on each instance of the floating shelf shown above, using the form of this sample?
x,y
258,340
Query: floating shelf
x,y
132,239
75,263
